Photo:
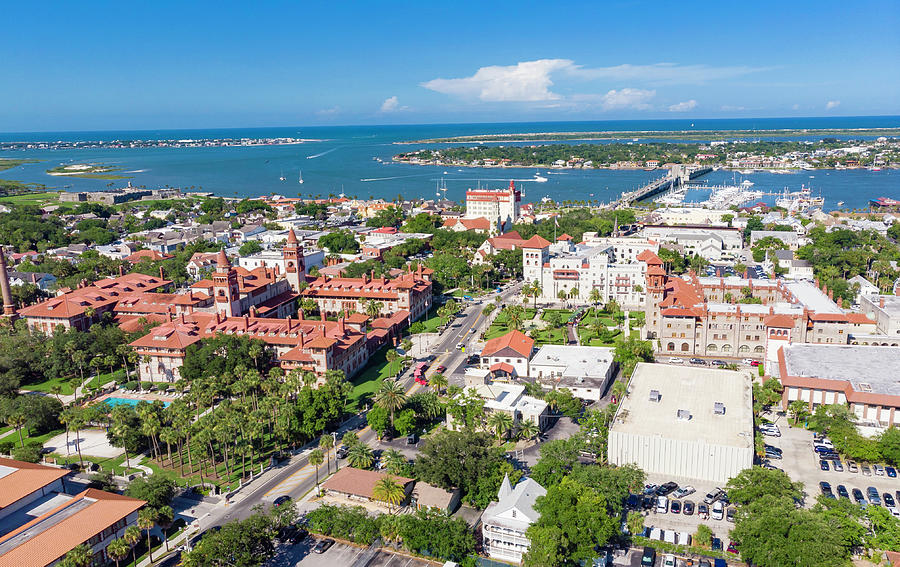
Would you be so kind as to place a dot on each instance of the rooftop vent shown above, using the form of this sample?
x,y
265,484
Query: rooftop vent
x,y
654,396
719,408
684,415
865,387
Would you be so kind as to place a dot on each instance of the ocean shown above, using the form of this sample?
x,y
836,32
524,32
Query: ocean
x,y
355,161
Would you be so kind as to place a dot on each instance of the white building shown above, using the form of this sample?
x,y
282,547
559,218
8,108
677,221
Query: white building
x,y
865,287
885,310
499,206
690,215
790,239
609,265
504,523
585,370
796,269
274,259
508,355
710,242
692,423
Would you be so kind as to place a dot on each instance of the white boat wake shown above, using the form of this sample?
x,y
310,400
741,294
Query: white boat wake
x,y
396,177
314,156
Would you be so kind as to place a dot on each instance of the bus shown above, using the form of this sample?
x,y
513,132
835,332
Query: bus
x,y
419,373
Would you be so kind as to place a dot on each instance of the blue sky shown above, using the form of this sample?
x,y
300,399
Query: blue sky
x,y
119,65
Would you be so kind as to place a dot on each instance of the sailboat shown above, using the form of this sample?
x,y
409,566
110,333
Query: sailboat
x,y
282,178
300,181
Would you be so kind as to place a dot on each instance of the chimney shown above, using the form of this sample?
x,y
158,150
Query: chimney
x,y
290,323
324,318
341,328
300,314
246,322
881,302
182,318
121,270
161,276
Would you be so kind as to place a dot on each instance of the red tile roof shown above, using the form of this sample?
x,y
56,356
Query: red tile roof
x,y
92,511
152,255
649,257
502,367
536,241
359,482
518,341
779,321
25,479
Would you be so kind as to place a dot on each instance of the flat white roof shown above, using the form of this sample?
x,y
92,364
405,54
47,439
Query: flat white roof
x,y
577,361
695,390
871,369
812,297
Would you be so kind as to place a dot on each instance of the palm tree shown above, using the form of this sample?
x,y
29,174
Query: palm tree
x,y
528,430
326,444
132,535
391,356
56,390
500,423
438,382
118,550
389,490
514,316
393,461
164,517
535,290
316,457
373,308
360,456
594,296
146,521
562,295
79,556
391,397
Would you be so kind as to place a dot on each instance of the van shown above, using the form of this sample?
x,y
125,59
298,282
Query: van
x,y
718,510
648,558
662,505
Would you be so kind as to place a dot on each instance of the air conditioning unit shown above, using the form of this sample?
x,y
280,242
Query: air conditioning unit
x,y
655,395
684,415
719,408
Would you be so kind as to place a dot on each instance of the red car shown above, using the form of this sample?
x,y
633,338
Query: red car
x,y
421,380
441,368
732,547
754,363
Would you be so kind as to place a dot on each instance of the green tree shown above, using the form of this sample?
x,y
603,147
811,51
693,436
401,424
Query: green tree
x,y
79,556
889,445
391,397
389,491
118,550
360,456
132,536
500,423
326,444
438,382
754,483
316,458
557,459
147,521
573,522
631,351
250,247
394,461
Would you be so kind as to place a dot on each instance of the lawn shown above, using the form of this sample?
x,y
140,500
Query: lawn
x,y
67,388
34,198
367,382
564,314
551,337
431,322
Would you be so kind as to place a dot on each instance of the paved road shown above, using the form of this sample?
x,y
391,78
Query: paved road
x,y
297,477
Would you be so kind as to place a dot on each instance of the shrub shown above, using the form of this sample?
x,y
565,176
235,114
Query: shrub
x,y
6,447
147,386
130,385
30,453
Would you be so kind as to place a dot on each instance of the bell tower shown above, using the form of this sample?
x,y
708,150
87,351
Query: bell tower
x,y
295,270
226,288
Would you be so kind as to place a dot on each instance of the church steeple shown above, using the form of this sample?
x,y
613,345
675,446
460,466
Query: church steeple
x,y
294,268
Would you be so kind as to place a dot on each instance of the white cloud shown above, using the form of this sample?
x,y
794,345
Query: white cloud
x,y
729,108
627,98
392,104
528,81
832,104
683,106
329,111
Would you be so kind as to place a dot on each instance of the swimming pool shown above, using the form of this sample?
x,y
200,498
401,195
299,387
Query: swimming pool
x,y
113,402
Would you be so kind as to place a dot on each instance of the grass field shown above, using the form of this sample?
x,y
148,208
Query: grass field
x,y
431,321
67,388
9,163
367,382
551,337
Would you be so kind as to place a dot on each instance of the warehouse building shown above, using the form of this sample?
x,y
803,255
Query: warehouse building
x,y
693,423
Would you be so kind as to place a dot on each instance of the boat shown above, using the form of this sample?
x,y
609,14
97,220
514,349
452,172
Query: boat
x,y
446,173
539,179
875,168
300,181
282,178
799,200
840,203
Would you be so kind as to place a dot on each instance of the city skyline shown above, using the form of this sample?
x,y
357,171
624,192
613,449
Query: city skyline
x,y
200,66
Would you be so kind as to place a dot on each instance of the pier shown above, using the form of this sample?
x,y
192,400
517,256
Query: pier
x,y
676,177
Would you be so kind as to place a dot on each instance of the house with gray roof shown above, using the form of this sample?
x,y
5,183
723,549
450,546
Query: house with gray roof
x,y
504,523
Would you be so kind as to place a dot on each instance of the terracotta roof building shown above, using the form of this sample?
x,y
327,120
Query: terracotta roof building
x,y
359,484
40,522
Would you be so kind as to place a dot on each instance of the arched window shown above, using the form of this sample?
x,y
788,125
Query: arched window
x,y
744,348
685,347
726,348
711,348
670,347
759,349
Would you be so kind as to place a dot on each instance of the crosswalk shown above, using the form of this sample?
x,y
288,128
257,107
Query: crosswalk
x,y
291,483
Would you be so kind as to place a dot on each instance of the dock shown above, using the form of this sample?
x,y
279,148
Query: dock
x,y
676,177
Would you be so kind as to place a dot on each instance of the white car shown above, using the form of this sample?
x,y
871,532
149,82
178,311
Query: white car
x,y
747,361
894,511
718,510
878,469
668,561
676,360
662,505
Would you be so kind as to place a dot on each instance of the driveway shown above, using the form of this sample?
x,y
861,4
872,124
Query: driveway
x,y
341,554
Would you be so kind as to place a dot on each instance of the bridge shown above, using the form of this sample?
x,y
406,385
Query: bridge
x,y
677,176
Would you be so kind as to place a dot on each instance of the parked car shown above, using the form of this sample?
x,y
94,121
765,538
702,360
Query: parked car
x,y
342,452
823,464
675,507
891,472
703,511
729,515
648,502
888,500
773,455
851,467
732,547
879,470
858,497
874,498
667,488
826,489
718,510
688,508
668,560
662,504
842,491
837,466
864,468
719,363
675,360
684,491
698,361
441,368
770,429
714,495
323,545
411,439
281,501
755,363
648,558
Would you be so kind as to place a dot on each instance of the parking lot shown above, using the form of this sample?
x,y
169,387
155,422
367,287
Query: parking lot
x,y
341,554
687,523
802,464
